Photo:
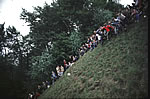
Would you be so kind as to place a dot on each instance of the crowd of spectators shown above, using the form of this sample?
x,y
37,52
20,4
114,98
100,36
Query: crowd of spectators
x,y
113,27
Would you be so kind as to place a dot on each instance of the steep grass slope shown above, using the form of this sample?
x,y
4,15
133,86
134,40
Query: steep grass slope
x,y
119,69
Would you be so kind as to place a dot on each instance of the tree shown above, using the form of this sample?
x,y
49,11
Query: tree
x,y
45,23
61,49
113,4
11,60
101,16
75,40
41,66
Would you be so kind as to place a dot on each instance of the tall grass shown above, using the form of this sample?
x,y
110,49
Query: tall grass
x,y
119,69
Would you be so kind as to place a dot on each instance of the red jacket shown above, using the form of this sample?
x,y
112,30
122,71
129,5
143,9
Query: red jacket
x,y
65,63
106,28
109,26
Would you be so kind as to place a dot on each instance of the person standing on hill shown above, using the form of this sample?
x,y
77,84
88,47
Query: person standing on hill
x,y
65,64
111,29
106,31
58,71
53,77
61,70
98,38
47,84
99,34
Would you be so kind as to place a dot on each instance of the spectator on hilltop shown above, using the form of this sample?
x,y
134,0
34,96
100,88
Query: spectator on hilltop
x,y
31,95
117,24
110,28
36,95
81,51
89,40
43,86
85,48
73,58
135,15
70,58
93,44
61,70
65,64
47,84
98,37
126,12
70,64
105,30
53,77
37,92
58,70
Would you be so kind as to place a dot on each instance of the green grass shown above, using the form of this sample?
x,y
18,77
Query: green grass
x,y
119,69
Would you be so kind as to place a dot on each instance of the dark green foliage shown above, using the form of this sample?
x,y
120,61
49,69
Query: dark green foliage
x,y
75,39
114,7
61,49
41,66
101,16
11,64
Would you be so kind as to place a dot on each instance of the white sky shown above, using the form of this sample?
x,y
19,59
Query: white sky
x,y
10,11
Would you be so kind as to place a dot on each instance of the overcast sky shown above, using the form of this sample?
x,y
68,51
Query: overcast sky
x,y
10,11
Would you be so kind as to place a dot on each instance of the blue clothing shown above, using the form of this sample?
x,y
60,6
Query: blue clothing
x,y
54,75
137,17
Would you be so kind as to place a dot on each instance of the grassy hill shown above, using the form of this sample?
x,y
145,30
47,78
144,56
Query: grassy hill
x,y
119,69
